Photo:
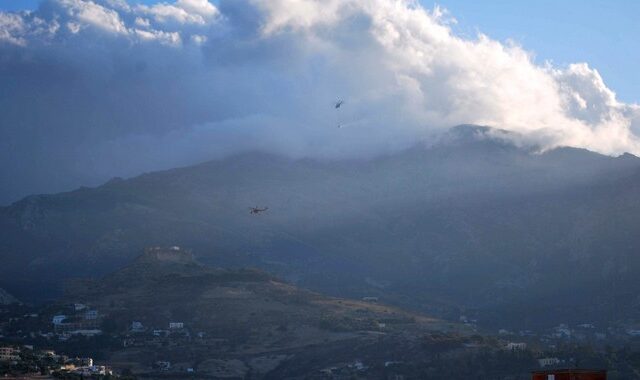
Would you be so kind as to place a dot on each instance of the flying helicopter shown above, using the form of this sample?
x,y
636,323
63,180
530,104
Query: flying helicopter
x,y
338,104
256,210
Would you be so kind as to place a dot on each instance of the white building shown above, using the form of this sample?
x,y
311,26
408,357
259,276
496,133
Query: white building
x,y
547,362
137,326
176,325
516,346
91,314
58,319
8,354
92,370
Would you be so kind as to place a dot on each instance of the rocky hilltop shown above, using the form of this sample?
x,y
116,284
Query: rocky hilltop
x,y
229,323
168,284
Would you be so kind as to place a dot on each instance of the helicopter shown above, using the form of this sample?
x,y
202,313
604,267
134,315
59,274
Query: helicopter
x,y
339,103
256,210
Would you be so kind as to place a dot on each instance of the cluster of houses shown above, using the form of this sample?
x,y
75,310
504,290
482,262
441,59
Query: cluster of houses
x,y
584,332
588,332
84,367
47,361
563,333
79,320
175,333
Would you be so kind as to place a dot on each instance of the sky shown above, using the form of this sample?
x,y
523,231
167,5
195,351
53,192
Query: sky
x,y
104,88
601,32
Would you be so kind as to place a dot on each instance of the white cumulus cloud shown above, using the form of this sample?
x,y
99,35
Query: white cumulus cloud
x,y
181,81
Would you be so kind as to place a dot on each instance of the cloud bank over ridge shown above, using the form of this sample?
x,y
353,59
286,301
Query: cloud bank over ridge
x,y
93,89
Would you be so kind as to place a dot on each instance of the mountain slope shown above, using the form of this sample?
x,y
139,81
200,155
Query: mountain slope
x,y
470,222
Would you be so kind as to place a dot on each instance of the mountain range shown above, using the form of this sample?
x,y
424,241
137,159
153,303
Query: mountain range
x,y
471,224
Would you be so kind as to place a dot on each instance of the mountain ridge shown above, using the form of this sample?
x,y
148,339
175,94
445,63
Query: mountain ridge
x,y
470,224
